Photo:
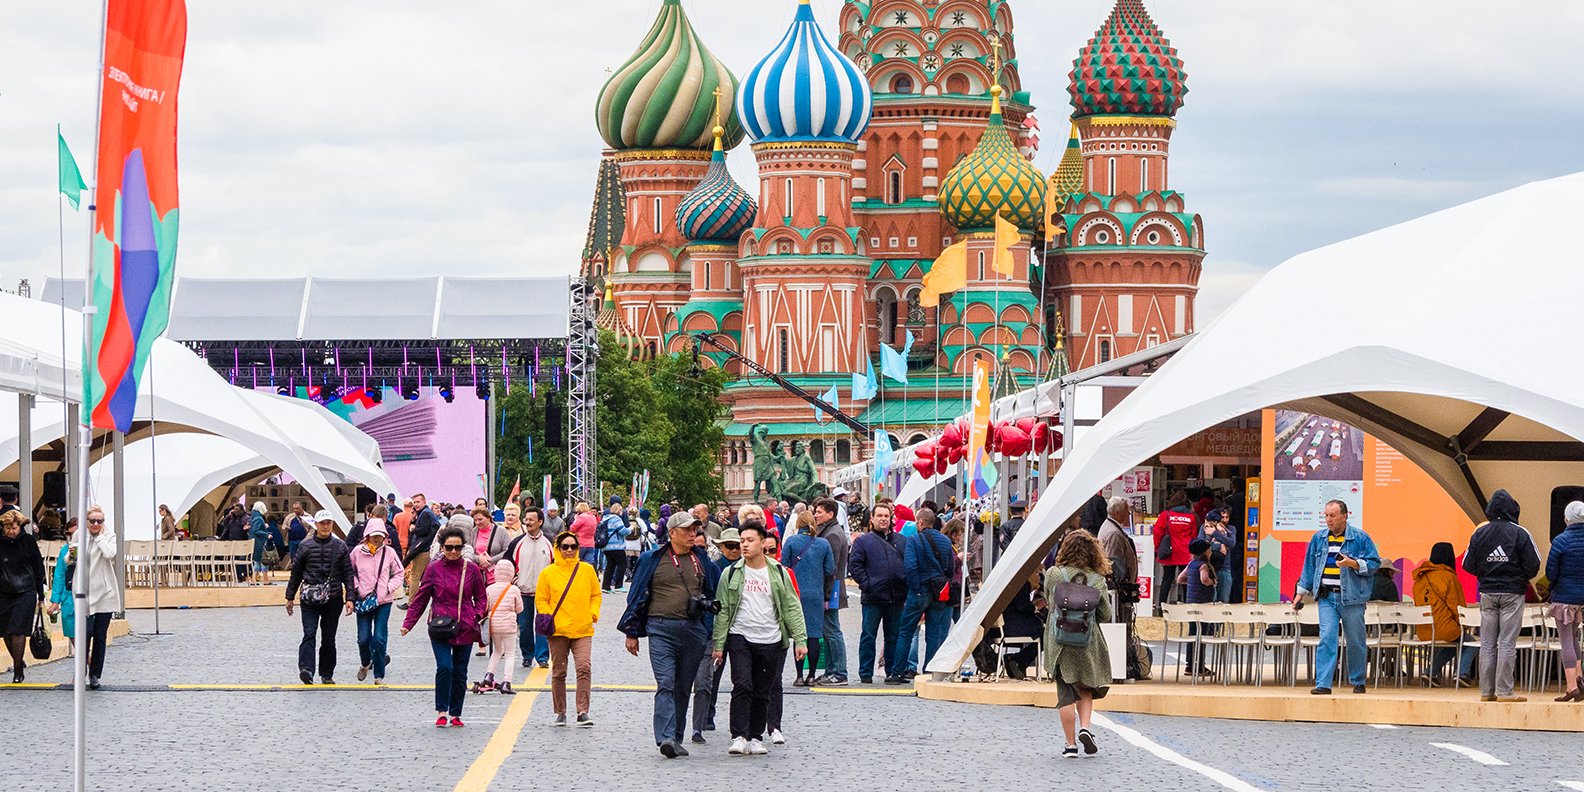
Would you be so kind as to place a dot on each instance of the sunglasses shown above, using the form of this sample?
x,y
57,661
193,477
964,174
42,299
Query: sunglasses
x,y
451,548
730,545
92,521
569,548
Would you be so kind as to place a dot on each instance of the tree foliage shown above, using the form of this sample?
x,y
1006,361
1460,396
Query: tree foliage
x,y
654,415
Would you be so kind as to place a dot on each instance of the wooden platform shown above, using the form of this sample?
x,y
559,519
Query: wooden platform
x,y
209,597
1381,705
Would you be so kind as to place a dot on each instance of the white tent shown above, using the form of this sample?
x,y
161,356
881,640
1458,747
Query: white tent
x,y
1438,336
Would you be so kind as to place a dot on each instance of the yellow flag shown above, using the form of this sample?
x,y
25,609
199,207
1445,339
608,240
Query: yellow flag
x,y
948,274
1006,236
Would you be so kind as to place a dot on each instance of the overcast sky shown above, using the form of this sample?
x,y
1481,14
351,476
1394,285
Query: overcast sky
x,y
398,138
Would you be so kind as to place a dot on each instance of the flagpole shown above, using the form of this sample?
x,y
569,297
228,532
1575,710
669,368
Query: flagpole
x,y
85,412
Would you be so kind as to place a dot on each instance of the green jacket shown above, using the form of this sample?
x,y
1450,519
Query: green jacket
x,y
783,597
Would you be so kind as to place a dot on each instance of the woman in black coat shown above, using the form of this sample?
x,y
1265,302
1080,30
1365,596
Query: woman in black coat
x,y
21,588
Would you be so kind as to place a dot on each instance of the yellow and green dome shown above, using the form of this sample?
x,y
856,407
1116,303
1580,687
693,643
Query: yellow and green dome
x,y
1067,181
994,180
664,96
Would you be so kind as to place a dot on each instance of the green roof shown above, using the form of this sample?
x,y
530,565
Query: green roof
x,y
898,268
914,412
791,429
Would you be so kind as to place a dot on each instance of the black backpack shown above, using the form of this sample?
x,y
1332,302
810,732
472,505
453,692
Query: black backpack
x,y
1074,609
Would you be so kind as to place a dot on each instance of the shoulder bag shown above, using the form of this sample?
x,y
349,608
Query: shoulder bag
x,y
367,603
1074,608
445,628
40,643
544,623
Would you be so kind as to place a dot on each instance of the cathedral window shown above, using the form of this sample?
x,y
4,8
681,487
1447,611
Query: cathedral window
x,y
817,450
902,84
707,269
915,314
1105,351
894,187
1111,174
657,213
783,360
1144,176
843,452
788,198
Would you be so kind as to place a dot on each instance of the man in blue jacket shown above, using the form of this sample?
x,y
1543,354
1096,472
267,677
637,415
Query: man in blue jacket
x,y
929,564
877,567
670,604
1338,568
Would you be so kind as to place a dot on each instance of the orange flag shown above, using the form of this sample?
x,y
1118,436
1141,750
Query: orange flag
x,y
1007,236
948,274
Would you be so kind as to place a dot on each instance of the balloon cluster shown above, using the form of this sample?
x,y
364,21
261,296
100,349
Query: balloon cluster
x,y
1009,438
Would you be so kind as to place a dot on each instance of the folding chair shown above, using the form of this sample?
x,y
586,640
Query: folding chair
x,y
1469,623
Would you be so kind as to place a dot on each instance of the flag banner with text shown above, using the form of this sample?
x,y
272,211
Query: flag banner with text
x,y
135,201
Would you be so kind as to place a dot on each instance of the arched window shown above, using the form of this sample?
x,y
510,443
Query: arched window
x,y
1111,170
1144,175
894,187
786,351
957,84
888,317
817,450
902,84
843,452
1105,351
915,314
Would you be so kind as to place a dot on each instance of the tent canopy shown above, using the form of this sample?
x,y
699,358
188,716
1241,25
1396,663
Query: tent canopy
x,y
1436,335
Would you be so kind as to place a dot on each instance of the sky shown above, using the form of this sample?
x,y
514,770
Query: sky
x,y
401,138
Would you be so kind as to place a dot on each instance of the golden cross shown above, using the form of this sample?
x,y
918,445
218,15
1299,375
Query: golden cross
x,y
718,95
995,57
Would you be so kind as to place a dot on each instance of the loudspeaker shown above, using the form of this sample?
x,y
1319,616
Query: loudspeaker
x,y
1560,498
54,488
555,423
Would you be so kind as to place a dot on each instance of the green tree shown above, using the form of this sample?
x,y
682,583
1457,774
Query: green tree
x,y
691,399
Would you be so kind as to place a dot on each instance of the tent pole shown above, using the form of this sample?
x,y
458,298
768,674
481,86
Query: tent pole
x,y
25,453
118,503
491,461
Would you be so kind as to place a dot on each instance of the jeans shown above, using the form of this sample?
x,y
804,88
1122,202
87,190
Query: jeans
x,y
753,666
530,645
875,618
937,623
1444,654
373,638
773,714
451,670
706,692
590,556
615,569
1223,588
835,645
323,620
675,648
1351,619
1500,617
98,636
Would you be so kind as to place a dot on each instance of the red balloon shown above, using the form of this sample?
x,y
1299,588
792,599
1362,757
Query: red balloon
x,y
964,428
925,450
1027,425
951,437
925,467
1014,442
993,437
1055,440
955,455
940,461
1041,437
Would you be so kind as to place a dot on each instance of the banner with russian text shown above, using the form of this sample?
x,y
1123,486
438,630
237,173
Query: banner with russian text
x,y
134,229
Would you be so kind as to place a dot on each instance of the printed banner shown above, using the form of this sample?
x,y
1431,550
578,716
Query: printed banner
x,y
981,468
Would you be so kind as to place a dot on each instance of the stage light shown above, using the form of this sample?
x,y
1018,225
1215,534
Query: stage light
x,y
447,394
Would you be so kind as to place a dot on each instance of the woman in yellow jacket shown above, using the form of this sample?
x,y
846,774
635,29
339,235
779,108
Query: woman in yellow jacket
x,y
569,593
1436,584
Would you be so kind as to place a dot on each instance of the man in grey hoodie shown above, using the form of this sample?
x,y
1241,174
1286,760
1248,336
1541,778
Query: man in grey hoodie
x,y
1501,553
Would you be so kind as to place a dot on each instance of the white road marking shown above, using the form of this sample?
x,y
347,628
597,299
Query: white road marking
x,y
1579,785
1478,756
1133,737
1381,726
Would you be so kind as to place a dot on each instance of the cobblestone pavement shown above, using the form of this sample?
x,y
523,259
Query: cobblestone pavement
x,y
144,735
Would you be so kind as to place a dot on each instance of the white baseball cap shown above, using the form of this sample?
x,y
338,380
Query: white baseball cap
x,y
324,515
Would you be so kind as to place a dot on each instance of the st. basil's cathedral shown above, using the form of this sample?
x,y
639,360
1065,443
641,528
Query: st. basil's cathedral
x,y
907,134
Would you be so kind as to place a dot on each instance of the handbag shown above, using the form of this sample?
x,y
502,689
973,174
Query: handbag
x,y
40,643
318,594
544,623
444,629
370,601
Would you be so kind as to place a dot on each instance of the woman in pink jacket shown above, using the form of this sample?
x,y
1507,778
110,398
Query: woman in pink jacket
x,y
505,602
376,577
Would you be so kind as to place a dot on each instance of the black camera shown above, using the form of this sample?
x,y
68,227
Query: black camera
x,y
700,605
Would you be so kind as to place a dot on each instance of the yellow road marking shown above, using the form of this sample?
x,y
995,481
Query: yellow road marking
x,y
489,762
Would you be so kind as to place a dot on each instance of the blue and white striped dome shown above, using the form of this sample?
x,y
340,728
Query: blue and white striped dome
x,y
805,89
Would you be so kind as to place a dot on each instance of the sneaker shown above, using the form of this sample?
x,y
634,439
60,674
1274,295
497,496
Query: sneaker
x,y
698,737
93,683
306,676
739,746
326,680
777,737
757,748
668,749
505,689
544,663
895,680
456,723
909,676
379,682
1086,737
680,751
1070,752
1320,691
528,663
363,672
1468,681
1358,688
440,722
831,680
583,719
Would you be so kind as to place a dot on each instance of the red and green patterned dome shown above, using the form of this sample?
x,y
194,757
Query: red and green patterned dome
x,y
1128,68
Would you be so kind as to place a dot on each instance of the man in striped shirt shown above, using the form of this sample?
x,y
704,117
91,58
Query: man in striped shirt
x,y
1338,565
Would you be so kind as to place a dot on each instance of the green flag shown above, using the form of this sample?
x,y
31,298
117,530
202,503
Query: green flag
x,y
71,181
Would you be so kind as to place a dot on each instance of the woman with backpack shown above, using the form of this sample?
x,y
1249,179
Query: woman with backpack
x,y
1075,651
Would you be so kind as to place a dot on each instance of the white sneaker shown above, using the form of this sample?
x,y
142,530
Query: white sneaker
x,y
757,748
777,737
739,746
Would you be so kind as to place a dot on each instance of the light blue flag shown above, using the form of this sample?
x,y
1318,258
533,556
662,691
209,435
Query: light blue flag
x,y
831,397
893,364
907,347
883,457
865,387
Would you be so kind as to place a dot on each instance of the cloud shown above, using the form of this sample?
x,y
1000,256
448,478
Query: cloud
x,y
407,138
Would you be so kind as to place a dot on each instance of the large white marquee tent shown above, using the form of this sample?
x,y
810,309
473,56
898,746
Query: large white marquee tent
x,y
1440,335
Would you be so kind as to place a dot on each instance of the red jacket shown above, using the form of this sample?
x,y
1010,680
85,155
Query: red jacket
x,y
1183,526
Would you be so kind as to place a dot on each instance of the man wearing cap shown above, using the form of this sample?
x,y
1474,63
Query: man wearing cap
x,y
672,594
839,495
554,523
323,575
1010,528
706,687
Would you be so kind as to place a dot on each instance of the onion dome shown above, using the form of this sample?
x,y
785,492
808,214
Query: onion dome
x,y
805,90
1067,181
610,320
994,179
664,95
717,210
1128,68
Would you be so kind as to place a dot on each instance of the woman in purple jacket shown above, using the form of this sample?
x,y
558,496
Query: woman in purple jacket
x,y
451,588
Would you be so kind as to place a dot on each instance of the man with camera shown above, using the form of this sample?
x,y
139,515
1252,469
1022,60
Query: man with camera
x,y
670,602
